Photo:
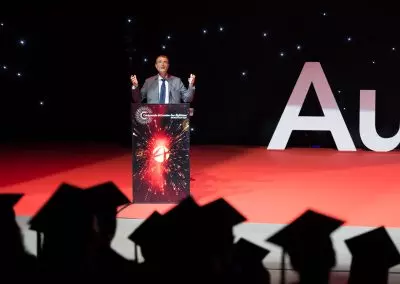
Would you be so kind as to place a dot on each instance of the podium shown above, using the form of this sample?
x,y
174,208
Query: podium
x,y
160,152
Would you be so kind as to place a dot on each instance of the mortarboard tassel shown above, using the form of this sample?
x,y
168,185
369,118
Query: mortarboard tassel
x,y
136,254
283,268
38,244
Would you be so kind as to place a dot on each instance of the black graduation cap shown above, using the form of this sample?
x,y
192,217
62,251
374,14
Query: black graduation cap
x,y
307,235
105,196
374,249
310,227
222,213
215,226
182,218
148,230
245,250
149,234
185,209
9,200
64,203
7,203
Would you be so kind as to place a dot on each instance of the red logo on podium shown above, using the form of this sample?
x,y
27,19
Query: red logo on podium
x,y
161,153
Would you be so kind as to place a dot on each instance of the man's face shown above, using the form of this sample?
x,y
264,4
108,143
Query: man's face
x,y
162,65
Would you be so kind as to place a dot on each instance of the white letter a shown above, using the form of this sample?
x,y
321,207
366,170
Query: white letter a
x,y
332,120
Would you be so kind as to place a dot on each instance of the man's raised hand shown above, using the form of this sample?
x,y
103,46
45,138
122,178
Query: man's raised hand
x,y
192,78
134,81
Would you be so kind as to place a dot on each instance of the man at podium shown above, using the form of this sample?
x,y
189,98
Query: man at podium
x,y
163,88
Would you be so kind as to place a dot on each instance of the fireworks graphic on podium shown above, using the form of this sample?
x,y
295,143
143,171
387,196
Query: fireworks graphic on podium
x,y
161,142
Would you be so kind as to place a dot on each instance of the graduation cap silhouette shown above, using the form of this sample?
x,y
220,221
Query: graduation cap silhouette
x,y
307,240
145,233
374,253
157,225
247,251
182,220
247,263
103,201
222,213
61,205
7,203
215,229
7,213
61,212
148,235
186,209
105,197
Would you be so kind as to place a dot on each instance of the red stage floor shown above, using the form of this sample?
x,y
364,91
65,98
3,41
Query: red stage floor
x,y
266,186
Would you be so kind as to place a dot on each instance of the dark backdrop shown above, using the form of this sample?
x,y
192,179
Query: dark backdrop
x,y
79,68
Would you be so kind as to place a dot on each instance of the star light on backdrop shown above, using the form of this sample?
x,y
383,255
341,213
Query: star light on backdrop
x,y
14,62
281,45
299,47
